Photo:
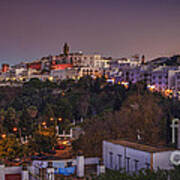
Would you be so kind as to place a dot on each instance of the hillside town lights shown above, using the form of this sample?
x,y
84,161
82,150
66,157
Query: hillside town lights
x,y
151,87
15,129
44,123
3,136
51,119
50,78
59,119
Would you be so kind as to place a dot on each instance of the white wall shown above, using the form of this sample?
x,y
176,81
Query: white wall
x,y
141,156
162,160
91,160
9,170
44,163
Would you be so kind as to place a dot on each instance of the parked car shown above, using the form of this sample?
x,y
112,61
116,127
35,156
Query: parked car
x,y
34,157
52,152
66,143
42,157
60,147
39,157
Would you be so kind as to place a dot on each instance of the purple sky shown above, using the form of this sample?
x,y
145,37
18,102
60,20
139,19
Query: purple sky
x,y
31,29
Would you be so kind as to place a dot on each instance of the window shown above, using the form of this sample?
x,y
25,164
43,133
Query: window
x,y
147,166
111,159
119,161
136,165
127,164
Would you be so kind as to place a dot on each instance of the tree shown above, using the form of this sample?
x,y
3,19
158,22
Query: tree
x,y
143,117
97,129
27,122
43,140
10,120
2,117
83,104
140,118
10,148
32,111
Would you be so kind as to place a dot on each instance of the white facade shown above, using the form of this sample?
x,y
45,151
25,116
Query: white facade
x,y
89,60
63,74
117,155
160,80
40,77
174,82
83,60
177,81
129,62
90,71
9,170
20,71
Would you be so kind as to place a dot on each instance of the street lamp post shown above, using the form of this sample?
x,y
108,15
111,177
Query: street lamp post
x,y
3,136
15,129
56,120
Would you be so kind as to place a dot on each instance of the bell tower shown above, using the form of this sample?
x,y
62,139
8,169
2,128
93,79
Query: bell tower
x,y
143,59
66,49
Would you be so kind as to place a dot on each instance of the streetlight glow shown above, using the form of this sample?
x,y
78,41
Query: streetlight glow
x,y
3,136
15,129
59,119
44,123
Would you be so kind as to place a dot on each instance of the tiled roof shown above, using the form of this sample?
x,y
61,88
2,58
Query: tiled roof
x,y
141,147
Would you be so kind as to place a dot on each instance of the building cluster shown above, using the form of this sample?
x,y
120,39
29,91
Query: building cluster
x,y
56,68
158,76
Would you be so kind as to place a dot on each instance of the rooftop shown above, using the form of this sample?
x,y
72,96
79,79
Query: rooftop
x,y
141,147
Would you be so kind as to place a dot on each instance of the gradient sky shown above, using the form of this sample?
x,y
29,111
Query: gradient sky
x,y
31,29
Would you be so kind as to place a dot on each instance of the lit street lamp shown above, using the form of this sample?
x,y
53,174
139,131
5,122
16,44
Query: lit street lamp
x,y
60,119
51,119
44,123
15,129
3,136
56,120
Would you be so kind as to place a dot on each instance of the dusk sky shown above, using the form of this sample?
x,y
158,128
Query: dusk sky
x,y
31,29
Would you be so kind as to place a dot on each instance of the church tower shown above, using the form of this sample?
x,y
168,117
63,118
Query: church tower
x,y
143,59
66,49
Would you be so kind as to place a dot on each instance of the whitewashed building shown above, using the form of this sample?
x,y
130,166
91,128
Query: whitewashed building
x,y
91,60
159,79
121,154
